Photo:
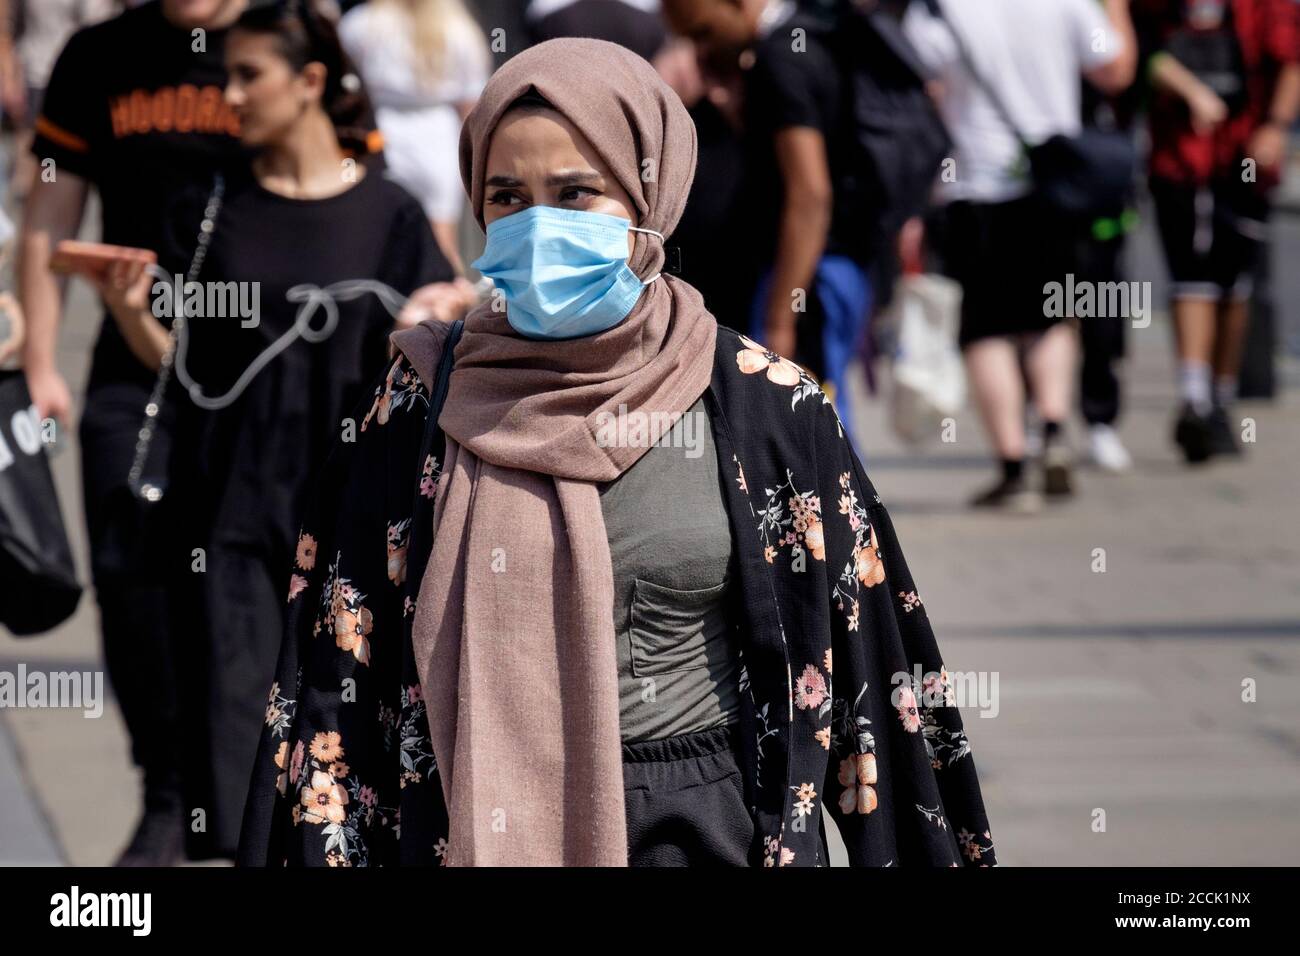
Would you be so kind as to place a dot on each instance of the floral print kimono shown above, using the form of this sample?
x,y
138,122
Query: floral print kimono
x,y
848,709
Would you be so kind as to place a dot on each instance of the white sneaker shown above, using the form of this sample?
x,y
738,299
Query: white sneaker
x,y
1107,451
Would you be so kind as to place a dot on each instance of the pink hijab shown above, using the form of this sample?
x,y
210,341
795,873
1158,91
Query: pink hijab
x,y
514,632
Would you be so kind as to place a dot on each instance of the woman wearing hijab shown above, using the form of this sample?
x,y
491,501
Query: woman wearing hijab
x,y
637,602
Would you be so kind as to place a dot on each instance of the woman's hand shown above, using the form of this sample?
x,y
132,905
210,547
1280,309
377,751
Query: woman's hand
x,y
443,301
125,286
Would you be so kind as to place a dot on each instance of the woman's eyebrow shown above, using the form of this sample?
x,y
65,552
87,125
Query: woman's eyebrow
x,y
573,177
564,177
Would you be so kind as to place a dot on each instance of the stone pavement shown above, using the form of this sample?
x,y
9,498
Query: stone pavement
x,y
1122,690
1119,691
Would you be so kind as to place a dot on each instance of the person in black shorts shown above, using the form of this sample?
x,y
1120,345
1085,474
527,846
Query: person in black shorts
x,y
1225,79
1002,242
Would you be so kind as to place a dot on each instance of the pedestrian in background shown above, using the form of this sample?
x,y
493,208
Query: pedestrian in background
x,y
811,253
1226,90
424,63
1017,60
304,214
1101,260
134,108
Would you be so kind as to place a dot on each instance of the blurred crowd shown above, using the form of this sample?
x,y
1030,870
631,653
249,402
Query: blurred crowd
x,y
885,189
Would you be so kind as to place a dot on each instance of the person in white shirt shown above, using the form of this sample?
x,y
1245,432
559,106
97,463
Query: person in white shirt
x,y
1028,57
424,63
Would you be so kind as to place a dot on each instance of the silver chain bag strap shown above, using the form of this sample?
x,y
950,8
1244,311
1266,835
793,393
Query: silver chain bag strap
x,y
152,491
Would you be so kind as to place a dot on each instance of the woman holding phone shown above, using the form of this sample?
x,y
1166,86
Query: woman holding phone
x,y
309,248
586,610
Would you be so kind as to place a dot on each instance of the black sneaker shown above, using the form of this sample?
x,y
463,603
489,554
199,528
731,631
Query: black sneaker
x,y
1194,435
159,839
1010,494
1057,461
1223,440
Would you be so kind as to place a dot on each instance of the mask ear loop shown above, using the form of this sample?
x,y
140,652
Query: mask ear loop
x,y
649,232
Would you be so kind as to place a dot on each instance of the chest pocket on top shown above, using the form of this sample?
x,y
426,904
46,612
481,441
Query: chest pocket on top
x,y
676,630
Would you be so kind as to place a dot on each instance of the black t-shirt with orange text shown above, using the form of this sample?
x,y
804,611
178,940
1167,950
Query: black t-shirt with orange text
x,y
135,105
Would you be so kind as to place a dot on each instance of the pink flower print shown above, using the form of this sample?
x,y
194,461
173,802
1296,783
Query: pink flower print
x,y
754,358
811,690
907,710
295,765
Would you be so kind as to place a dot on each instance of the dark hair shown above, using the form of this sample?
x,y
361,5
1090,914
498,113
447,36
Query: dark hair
x,y
305,35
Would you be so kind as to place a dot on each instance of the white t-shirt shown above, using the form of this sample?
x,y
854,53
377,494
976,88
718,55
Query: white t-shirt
x,y
378,39
417,114
1032,53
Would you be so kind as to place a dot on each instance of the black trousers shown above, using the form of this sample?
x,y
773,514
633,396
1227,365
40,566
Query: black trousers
x,y
686,803
130,569
1102,337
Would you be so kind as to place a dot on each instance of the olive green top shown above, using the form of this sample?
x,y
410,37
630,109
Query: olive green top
x,y
670,545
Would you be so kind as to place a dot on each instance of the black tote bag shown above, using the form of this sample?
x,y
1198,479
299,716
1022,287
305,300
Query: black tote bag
x,y
38,581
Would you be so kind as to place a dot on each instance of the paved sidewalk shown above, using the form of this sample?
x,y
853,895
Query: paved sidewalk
x,y
1122,691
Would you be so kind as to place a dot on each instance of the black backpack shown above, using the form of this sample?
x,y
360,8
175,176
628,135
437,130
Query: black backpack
x,y
898,142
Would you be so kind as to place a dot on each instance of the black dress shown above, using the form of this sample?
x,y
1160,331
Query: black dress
x,y
242,473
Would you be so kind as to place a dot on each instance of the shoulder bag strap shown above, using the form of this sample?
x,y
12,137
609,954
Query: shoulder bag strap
x,y
963,52
147,491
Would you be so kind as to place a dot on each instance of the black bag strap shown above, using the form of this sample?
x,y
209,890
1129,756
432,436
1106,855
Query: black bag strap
x,y
438,391
421,545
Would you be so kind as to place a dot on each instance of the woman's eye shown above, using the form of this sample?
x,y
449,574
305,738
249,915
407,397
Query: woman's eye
x,y
576,193
504,198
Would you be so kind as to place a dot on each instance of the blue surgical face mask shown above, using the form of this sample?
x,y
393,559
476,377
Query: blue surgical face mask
x,y
563,272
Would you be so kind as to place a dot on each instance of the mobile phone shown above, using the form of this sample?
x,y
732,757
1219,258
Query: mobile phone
x,y
94,258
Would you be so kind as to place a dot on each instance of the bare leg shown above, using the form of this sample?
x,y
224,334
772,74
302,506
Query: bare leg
x,y
1050,362
1194,326
995,378
1230,336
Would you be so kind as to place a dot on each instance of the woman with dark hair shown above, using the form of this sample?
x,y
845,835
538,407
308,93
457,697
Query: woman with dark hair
x,y
575,594
302,258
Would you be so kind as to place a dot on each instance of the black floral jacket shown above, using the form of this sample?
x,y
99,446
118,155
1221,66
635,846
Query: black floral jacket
x,y
832,632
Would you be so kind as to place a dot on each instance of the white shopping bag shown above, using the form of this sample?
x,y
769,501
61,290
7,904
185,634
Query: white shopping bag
x,y
929,381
